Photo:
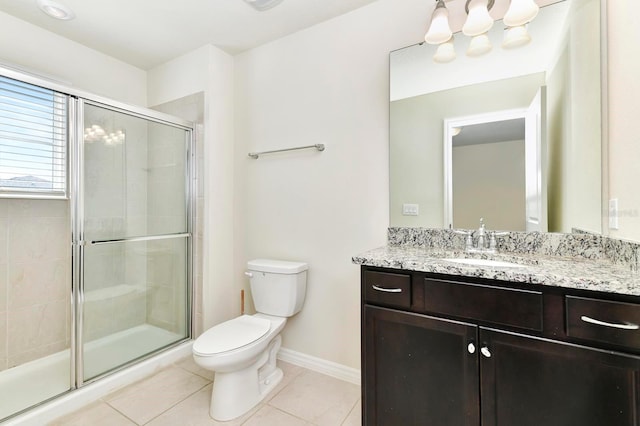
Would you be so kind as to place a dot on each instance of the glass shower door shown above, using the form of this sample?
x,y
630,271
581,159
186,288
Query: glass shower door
x,y
135,227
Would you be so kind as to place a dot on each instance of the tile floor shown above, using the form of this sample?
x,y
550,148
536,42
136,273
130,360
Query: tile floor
x,y
180,395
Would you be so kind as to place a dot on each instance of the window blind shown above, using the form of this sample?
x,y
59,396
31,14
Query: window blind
x,y
33,140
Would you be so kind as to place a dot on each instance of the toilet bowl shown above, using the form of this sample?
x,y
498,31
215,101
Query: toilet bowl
x,y
242,352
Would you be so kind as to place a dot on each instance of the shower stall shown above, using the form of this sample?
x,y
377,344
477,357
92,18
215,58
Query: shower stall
x,y
101,277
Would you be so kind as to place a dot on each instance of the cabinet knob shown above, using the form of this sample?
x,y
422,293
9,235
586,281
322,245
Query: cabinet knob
x,y
471,348
485,351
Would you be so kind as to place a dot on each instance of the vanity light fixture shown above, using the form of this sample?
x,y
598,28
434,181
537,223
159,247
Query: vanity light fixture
x,y
477,25
262,5
445,52
439,29
515,37
479,45
478,19
520,12
56,10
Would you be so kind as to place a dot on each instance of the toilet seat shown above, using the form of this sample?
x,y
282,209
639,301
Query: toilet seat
x,y
230,335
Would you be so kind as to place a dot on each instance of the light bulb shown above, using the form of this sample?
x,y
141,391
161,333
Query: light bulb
x,y
445,52
479,45
515,37
439,29
56,10
262,5
479,21
520,12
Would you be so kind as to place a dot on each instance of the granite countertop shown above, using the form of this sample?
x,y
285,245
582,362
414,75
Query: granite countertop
x,y
570,272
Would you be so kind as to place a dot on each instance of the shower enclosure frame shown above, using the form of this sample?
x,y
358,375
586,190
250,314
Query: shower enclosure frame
x,y
76,197
76,99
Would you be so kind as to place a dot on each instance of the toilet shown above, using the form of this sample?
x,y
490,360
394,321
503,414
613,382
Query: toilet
x,y
242,351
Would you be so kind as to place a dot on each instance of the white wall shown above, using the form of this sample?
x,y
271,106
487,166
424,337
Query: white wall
x,y
624,125
327,84
179,77
70,63
209,70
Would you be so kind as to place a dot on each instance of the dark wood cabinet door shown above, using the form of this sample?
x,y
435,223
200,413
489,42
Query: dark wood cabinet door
x,y
418,370
529,381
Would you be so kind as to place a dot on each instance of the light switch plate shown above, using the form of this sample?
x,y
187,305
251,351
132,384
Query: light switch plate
x,y
410,209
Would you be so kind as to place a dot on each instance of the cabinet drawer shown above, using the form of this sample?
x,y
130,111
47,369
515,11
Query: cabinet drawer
x,y
604,321
504,306
387,289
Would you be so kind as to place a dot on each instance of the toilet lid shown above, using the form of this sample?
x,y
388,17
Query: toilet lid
x,y
232,334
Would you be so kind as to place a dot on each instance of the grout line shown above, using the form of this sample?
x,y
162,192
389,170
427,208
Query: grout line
x,y
289,414
120,412
255,411
194,373
178,402
350,411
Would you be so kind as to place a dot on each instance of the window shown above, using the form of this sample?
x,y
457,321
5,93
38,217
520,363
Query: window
x,y
33,140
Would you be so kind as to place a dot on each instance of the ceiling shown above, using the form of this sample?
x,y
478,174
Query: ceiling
x,y
492,132
147,33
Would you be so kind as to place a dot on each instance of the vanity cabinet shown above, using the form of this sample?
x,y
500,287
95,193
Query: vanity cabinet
x,y
528,381
417,370
446,351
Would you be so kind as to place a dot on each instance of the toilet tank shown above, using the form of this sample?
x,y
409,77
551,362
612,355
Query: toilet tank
x,y
278,287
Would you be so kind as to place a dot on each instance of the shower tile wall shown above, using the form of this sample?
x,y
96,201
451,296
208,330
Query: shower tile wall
x,y
192,108
35,269
166,203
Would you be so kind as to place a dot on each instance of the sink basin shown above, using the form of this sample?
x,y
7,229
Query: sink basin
x,y
486,262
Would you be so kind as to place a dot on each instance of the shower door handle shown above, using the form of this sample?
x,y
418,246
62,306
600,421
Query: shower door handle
x,y
133,239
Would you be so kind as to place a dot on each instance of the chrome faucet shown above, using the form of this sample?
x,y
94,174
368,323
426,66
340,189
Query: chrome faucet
x,y
485,241
481,236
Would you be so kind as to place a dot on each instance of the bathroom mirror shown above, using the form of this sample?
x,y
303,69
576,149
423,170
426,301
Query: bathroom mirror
x,y
555,184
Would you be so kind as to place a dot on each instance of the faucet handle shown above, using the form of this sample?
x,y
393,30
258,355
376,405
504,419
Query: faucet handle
x,y
469,240
492,238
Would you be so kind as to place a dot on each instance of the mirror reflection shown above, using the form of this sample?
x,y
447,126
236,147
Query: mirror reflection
x,y
487,170
460,145
488,161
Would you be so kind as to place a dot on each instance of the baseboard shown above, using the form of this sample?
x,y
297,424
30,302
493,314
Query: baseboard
x,y
330,368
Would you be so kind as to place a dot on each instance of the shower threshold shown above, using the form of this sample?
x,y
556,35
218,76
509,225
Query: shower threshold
x,y
36,381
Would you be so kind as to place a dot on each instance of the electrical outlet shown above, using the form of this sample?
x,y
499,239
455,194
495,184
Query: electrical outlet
x,y
613,213
410,209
